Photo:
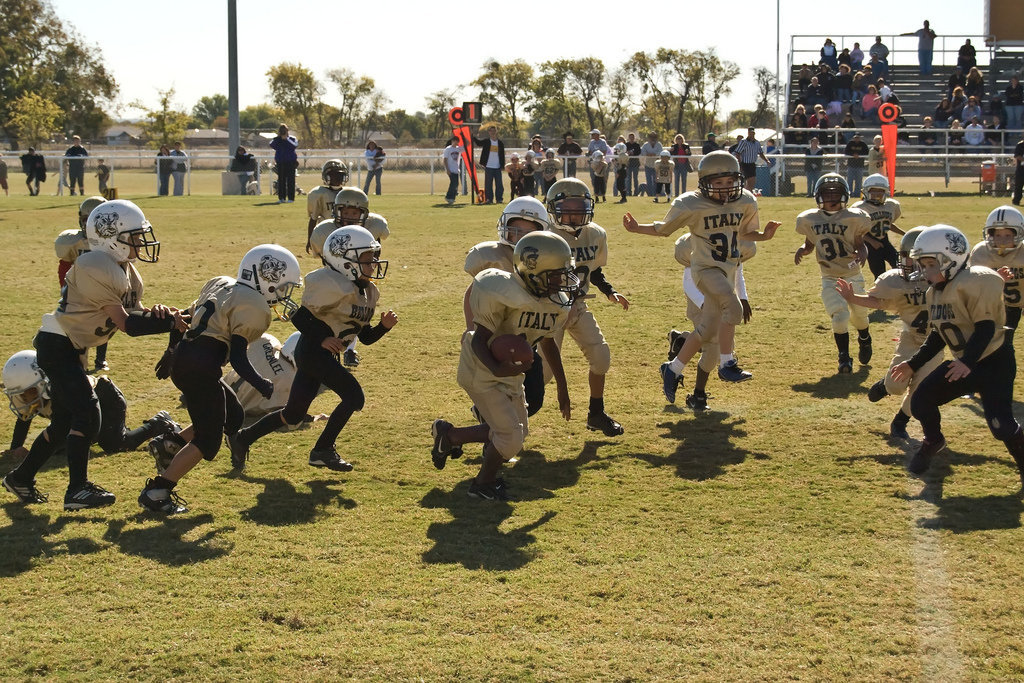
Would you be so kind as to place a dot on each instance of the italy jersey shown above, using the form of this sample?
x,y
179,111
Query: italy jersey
x,y
907,298
589,250
320,203
716,228
834,236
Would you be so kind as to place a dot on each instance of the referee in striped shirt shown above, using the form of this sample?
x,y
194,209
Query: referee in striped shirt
x,y
747,151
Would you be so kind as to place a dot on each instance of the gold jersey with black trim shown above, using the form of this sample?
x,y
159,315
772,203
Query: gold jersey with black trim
x,y
70,244
95,281
489,255
834,236
907,299
984,255
684,250
716,226
589,250
226,307
339,302
320,203
974,295
882,215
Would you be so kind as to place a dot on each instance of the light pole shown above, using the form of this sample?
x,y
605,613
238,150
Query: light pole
x,y
234,132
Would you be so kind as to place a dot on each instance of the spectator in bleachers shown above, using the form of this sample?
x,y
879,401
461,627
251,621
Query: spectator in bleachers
x,y
956,134
975,84
884,91
958,101
844,57
879,68
804,79
925,43
994,132
813,163
858,86
967,57
819,119
847,122
855,152
956,80
843,84
972,110
927,137
856,57
798,121
869,104
974,133
943,113
829,54
825,77
879,50
1014,103
814,94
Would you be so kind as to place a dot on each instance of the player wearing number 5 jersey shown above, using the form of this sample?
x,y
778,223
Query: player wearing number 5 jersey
x,y
896,290
229,315
1001,251
719,215
965,312
835,234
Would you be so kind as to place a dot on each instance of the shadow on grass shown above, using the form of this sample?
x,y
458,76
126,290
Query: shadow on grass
x,y
705,447
836,386
25,540
164,540
280,504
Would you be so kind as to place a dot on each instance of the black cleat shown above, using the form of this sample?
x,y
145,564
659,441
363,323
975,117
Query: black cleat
x,y
864,353
163,424
732,372
329,459
26,493
697,402
670,381
442,446
495,490
923,458
676,339
601,422
164,501
877,391
88,495
163,449
898,429
845,365
350,359
239,451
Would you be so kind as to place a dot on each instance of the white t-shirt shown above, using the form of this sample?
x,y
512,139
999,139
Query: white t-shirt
x,y
452,154
493,161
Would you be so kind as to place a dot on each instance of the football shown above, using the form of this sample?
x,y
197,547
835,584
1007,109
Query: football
x,y
512,347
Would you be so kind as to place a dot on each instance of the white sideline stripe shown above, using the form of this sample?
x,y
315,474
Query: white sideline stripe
x,y
941,659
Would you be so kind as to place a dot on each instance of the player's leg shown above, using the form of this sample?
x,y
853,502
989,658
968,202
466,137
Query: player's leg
x,y
504,410
583,328
305,386
934,391
994,384
346,386
1012,320
114,436
838,312
728,369
720,305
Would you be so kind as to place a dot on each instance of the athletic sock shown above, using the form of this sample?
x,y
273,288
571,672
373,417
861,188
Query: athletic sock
x,y
725,360
677,366
597,404
843,343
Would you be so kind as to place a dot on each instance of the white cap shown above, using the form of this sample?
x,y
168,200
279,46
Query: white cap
x,y
595,132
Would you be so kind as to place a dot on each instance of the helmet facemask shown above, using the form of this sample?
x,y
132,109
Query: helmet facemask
x,y
144,243
572,213
1003,243
334,174
722,187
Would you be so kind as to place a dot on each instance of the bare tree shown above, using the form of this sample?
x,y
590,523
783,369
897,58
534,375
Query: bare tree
x,y
764,111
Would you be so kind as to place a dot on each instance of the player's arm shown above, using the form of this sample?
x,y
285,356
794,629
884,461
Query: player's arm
x,y
984,331
741,294
368,335
467,309
140,323
316,330
860,250
18,437
933,345
481,336
801,251
239,359
872,241
309,232
601,282
631,225
898,231
553,358
769,232
845,290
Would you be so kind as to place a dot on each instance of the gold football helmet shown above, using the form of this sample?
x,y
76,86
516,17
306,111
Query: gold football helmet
x,y
334,174
570,203
543,261
831,188
351,206
907,265
86,207
720,165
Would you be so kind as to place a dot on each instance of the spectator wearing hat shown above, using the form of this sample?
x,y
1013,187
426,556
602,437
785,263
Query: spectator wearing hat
x,y
855,152
650,151
747,151
664,169
597,144
710,144
633,150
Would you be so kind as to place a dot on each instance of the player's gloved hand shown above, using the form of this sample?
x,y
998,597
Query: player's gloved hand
x,y
265,387
163,366
748,313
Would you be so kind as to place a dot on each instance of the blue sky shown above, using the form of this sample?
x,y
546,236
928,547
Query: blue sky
x,y
414,48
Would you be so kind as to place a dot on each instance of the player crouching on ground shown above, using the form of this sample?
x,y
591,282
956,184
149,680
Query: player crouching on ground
x,y
835,234
531,302
338,304
719,215
897,290
571,209
1000,250
28,392
965,308
228,315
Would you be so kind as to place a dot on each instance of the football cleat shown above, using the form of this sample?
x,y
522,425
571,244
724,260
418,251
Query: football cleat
x,y
845,365
350,359
898,429
329,459
163,424
732,372
697,402
877,391
88,495
670,381
164,501
163,449
495,490
102,366
864,353
26,493
239,451
676,339
601,422
923,458
442,446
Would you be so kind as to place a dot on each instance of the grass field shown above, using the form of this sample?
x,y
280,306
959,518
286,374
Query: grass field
x,y
775,537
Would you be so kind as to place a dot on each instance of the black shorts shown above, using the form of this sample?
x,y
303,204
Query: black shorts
x,y
211,403
749,170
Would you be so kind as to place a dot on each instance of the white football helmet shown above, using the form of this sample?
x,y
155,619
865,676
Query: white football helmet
x,y
875,181
274,272
345,247
521,207
116,226
288,348
378,226
945,244
334,173
544,262
1004,218
21,376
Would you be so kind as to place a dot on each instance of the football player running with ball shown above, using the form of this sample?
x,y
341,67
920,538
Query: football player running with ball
x,y
884,212
229,315
338,305
835,234
1001,251
966,314
898,290
102,294
720,214
320,201
533,301
571,209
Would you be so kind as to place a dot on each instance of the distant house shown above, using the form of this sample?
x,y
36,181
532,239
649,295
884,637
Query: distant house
x,y
382,138
125,134
206,137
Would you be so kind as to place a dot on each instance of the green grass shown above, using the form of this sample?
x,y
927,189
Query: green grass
x,y
776,536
